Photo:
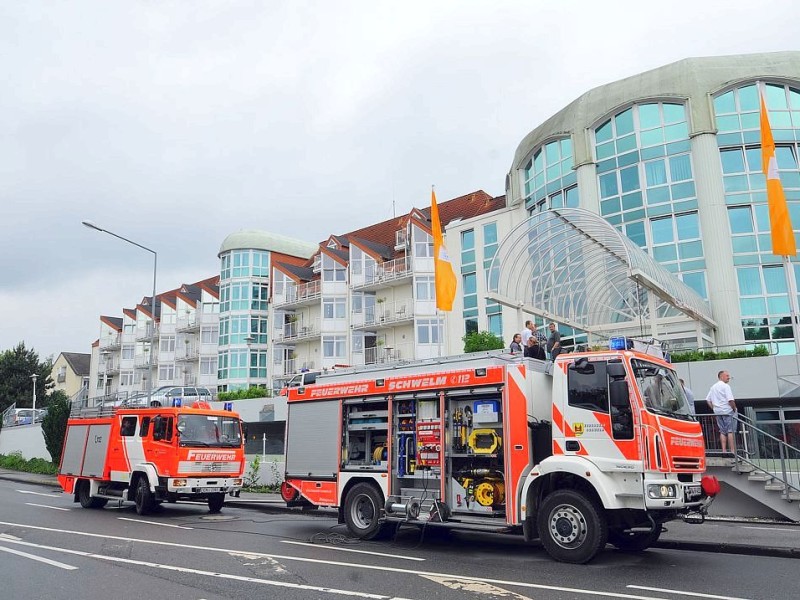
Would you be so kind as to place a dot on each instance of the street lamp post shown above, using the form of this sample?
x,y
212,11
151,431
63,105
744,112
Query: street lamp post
x,y
33,406
91,225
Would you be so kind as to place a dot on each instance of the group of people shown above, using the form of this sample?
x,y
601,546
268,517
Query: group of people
x,y
532,343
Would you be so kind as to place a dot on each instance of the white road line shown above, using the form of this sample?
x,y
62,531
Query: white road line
x,y
795,530
46,506
154,523
334,563
327,547
142,563
37,493
477,587
684,593
47,561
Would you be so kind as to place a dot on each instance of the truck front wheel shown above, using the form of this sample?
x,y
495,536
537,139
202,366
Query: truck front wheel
x,y
572,528
362,511
144,498
634,541
215,502
86,499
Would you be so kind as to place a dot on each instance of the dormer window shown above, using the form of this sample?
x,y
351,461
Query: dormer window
x,y
400,237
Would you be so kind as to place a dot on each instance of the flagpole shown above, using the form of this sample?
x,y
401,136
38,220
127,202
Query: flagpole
x,y
441,331
793,307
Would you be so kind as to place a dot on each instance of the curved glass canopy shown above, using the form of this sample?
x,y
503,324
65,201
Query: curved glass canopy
x,y
570,265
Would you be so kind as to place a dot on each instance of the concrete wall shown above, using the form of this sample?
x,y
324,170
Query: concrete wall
x,y
27,439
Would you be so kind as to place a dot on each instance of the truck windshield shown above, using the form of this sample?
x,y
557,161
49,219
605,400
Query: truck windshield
x,y
661,390
205,431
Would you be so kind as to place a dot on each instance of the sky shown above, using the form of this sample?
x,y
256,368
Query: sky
x,y
174,124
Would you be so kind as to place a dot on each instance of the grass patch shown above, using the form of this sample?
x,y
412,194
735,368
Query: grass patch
x,y
15,462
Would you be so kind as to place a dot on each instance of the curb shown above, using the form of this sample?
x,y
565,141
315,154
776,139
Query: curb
x,y
770,551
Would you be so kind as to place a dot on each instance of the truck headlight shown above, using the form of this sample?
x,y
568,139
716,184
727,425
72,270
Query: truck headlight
x,y
179,482
661,491
237,482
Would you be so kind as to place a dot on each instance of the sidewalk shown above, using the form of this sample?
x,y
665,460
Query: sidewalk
x,y
763,538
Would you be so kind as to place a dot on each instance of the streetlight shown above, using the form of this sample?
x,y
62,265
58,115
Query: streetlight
x,y
91,225
33,406
249,341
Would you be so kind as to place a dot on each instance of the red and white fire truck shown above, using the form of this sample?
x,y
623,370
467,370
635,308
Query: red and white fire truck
x,y
150,455
598,447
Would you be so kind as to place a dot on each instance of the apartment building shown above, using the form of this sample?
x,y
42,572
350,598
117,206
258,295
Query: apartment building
x,y
365,297
183,327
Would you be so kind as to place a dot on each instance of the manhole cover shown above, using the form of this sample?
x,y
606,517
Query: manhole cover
x,y
218,518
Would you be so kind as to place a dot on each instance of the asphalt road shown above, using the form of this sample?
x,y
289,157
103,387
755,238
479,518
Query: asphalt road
x,y
51,548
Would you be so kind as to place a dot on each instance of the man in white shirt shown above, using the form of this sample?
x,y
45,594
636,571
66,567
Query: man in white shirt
x,y
720,400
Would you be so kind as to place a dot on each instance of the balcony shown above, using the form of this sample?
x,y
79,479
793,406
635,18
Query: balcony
x,y
299,295
111,342
387,274
297,331
144,334
111,367
190,323
142,361
189,352
384,354
385,315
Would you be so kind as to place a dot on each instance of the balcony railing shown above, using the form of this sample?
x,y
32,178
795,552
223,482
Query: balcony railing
x,y
187,353
386,314
144,334
298,294
388,354
299,330
387,272
111,342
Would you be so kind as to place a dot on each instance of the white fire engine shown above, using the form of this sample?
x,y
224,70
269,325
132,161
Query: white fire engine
x,y
149,455
598,447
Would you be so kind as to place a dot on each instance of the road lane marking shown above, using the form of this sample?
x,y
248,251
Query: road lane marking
x,y
153,523
351,550
46,506
684,593
476,587
217,574
334,563
36,493
795,530
41,559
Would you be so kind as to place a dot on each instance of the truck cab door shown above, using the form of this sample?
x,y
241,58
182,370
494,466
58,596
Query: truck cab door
x,y
598,419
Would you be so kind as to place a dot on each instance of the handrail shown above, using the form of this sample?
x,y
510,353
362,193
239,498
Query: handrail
x,y
771,346
760,449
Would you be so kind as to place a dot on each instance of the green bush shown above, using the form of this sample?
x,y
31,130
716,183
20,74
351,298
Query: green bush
x,y
54,424
698,355
15,462
244,394
478,341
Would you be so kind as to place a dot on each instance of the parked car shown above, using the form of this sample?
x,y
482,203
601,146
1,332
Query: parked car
x,y
188,394
23,416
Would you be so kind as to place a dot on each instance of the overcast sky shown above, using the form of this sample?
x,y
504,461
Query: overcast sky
x,y
177,123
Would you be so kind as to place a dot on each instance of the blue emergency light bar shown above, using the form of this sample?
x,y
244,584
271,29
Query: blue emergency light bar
x,y
228,406
176,402
618,343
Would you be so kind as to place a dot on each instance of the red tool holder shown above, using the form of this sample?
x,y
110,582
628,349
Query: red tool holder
x,y
429,443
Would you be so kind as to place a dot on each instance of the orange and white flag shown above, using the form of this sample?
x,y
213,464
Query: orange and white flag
x,y
780,223
444,276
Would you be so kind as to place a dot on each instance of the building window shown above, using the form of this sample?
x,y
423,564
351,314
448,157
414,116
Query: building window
x,y
258,364
425,288
423,244
167,343
208,365
209,334
166,372
241,263
334,346
496,324
549,181
429,331
128,351
126,378
260,263
334,308
332,270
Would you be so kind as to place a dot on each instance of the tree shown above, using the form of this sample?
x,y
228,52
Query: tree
x,y
482,340
54,424
16,367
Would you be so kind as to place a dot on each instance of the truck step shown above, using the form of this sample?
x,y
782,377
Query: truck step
x,y
458,524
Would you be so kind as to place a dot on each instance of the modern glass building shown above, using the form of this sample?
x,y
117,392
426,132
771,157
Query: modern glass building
x,y
672,159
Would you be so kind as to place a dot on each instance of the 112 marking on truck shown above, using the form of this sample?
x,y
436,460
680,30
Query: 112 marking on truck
x,y
597,447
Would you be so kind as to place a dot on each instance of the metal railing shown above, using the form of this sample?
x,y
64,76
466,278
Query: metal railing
x,y
772,347
761,450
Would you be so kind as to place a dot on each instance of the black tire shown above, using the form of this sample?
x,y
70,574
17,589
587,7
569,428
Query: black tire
x,y
85,499
215,502
634,541
362,511
572,527
144,497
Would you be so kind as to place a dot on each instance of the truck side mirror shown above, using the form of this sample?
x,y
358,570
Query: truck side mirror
x,y
618,393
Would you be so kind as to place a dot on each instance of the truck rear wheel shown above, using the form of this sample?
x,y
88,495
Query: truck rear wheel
x,y
634,541
362,511
144,498
572,528
86,499
215,502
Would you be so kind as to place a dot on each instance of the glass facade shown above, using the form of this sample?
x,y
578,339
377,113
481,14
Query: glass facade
x,y
549,180
763,299
469,281
647,189
243,328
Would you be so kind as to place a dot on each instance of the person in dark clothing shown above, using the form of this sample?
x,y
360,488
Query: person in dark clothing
x,y
534,349
554,342
516,344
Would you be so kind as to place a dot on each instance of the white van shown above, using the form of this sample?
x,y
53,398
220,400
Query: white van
x,y
301,379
